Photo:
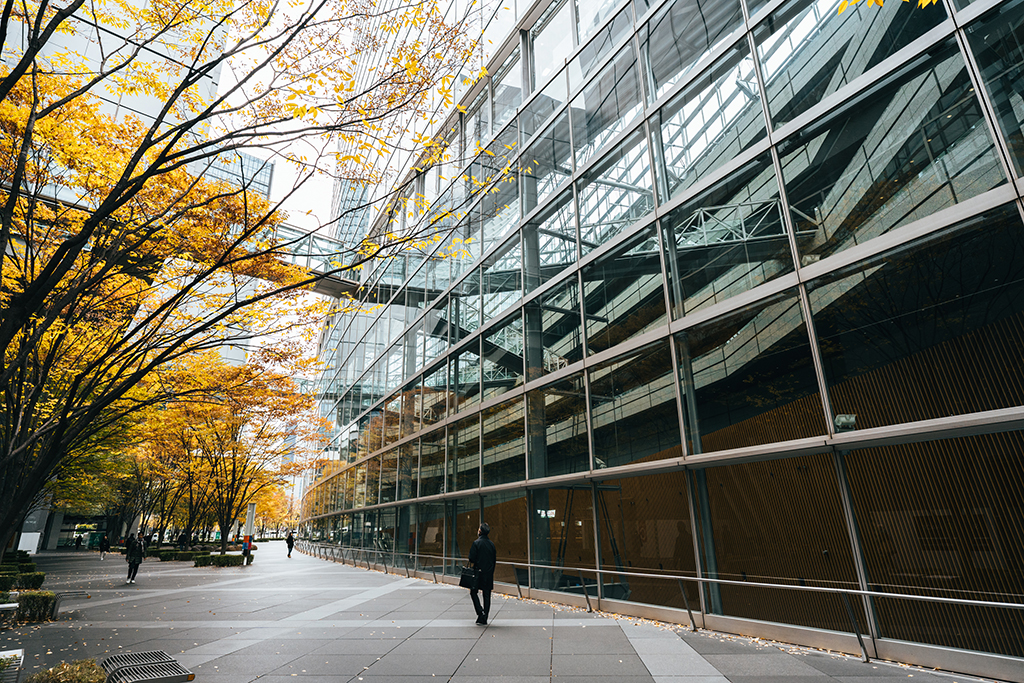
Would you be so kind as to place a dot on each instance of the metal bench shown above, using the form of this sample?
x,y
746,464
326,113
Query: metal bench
x,y
151,666
11,661
61,596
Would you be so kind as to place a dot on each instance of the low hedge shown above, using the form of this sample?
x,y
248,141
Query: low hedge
x,y
31,580
9,568
26,567
221,560
203,560
179,555
7,582
35,605
82,671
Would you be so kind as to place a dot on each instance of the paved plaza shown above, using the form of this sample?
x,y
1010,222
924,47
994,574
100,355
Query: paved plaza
x,y
286,618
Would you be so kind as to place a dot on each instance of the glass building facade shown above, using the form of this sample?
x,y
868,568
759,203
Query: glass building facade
x,y
727,290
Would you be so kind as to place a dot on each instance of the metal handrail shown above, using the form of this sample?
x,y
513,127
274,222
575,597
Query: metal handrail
x,y
843,593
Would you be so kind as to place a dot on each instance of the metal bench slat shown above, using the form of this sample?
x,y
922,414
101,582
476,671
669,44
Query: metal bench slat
x,y
123,659
12,671
165,672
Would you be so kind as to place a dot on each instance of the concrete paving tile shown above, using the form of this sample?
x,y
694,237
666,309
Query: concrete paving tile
x,y
918,677
494,645
591,678
661,646
597,665
470,631
563,646
430,646
329,665
837,665
521,664
691,679
710,643
358,646
440,665
245,664
500,679
387,678
819,678
762,664
685,664
223,646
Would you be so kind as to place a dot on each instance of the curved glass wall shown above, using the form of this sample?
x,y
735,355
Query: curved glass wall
x,y
724,291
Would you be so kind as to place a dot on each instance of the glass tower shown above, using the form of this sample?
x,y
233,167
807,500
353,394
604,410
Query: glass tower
x,y
727,290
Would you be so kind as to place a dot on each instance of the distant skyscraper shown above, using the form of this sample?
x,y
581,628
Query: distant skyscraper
x,y
243,170
353,216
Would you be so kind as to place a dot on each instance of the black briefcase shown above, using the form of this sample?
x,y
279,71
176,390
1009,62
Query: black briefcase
x,y
468,578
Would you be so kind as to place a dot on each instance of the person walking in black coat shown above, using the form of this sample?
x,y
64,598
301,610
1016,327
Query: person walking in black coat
x,y
104,546
483,555
291,543
133,556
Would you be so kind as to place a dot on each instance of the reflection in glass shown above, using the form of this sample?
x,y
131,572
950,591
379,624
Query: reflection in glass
x,y
408,470
537,111
409,419
465,307
680,34
591,14
499,210
508,90
616,192
706,125
928,330
748,378
606,104
503,357
547,163
808,50
633,408
563,536
911,149
557,421
372,482
601,46
430,535
507,514
551,41
389,476
504,443
644,526
435,395
553,330
623,294
549,241
727,240
753,512
502,282
464,454
461,524
478,127
464,381
432,460
997,41
942,518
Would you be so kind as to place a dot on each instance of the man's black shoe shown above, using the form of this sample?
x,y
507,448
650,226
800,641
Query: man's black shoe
x,y
480,620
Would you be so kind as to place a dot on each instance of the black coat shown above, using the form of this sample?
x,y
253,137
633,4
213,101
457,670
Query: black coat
x,y
483,555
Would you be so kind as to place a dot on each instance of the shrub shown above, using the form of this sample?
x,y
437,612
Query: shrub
x,y
154,552
203,560
35,605
82,671
31,580
7,581
227,560
8,568
26,567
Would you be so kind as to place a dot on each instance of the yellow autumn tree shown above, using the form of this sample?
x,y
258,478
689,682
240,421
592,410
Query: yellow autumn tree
x,y
121,255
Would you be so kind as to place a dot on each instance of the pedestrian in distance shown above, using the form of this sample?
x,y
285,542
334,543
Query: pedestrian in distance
x,y
483,556
291,543
104,546
133,556
78,542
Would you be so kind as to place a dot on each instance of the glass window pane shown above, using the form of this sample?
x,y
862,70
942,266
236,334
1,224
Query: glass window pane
x,y
551,41
808,50
503,357
549,241
432,477
553,330
600,47
796,505
748,378
645,527
709,123
408,470
917,146
435,325
558,429
499,210
372,481
502,283
508,90
504,443
435,395
942,518
430,535
462,523
997,41
606,105
563,535
508,514
633,408
926,331
547,163
622,293
464,307
616,192
675,38
464,381
464,454
591,14
411,406
389,476
728,240
478,125
536,112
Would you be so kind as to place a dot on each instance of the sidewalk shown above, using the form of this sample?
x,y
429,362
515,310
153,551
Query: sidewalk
x,y
282,619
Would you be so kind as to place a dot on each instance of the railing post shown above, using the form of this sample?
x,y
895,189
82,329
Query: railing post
x,y
686,601
586,594
516,578
856,627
